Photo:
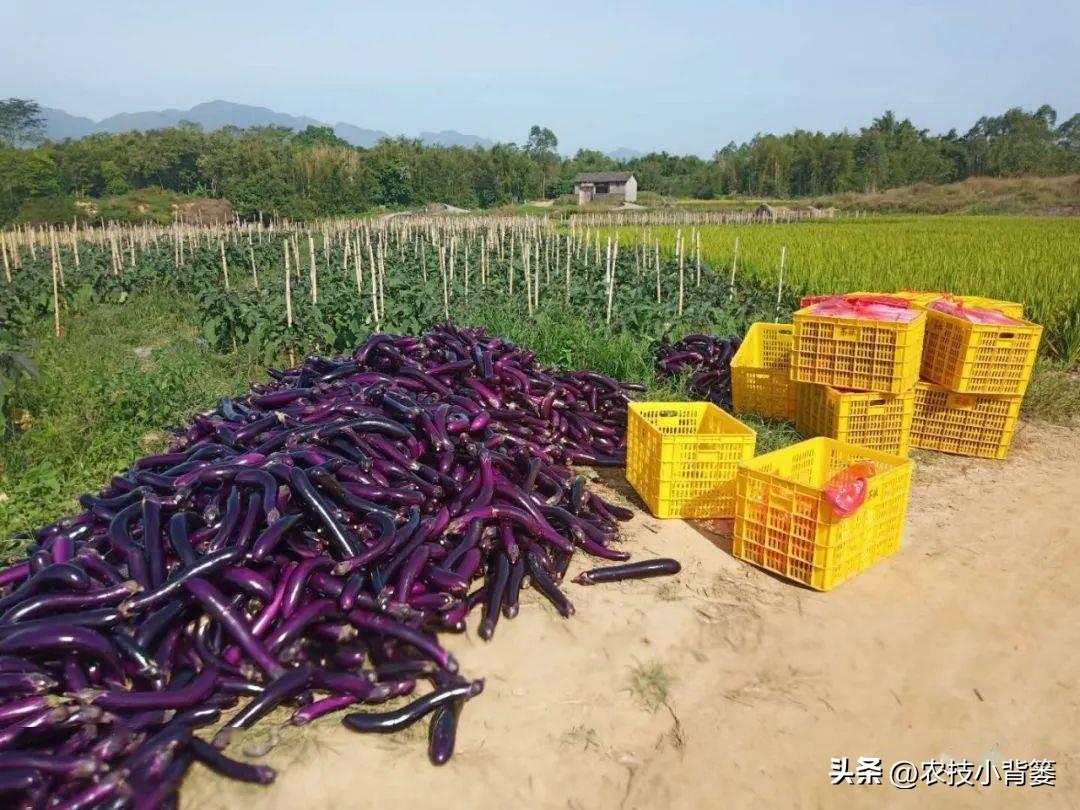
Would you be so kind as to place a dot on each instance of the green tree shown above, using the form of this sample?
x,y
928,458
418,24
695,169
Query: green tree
x,y
318,136
21,122
540,147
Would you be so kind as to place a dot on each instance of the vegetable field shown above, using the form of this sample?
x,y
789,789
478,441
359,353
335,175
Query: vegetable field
x,y
310,545
1034,260
281,292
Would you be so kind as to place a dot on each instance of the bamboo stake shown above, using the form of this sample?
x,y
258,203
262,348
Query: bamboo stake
x,y
569,258
314,270
780,285
613,255
373,272
679,250
358,267
525,256
16,257
224,264
445,291
55,245
3,251
254,272
453,256
75,241
55,295
288,287
536,279
697,244
382,275
734,261
657,244
510,267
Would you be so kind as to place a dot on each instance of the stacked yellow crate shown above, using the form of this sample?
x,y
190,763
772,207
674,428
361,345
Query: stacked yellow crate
x,y
855,362
974,375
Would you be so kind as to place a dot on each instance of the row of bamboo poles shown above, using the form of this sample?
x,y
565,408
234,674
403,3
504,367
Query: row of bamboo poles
x,y
459,247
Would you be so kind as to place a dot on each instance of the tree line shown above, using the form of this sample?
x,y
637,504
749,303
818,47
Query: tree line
x,y
275,171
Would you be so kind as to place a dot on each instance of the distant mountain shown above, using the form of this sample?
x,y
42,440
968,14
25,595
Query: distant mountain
x,y
60,125
358,136
451,137
212,115
622,154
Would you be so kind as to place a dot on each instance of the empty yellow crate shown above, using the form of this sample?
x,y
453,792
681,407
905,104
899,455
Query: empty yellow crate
x,y
784,524
859,354
761,372
877,421
979,425
682,457
977,358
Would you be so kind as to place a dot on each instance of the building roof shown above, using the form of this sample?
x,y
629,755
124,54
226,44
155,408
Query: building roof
x,y
603,177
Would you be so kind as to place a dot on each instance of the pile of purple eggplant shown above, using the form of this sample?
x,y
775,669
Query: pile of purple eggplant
x,y
706,358
300,547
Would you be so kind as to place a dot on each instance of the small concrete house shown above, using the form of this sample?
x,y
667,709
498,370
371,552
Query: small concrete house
x,y
619,186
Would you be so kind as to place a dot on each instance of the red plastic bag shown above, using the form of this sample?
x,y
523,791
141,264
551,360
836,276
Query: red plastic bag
x,y
975,314
868,307
857,300
847,490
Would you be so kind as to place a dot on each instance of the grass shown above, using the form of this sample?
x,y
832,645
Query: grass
x,y
151,204
651,684
976,195
1053,396
104,394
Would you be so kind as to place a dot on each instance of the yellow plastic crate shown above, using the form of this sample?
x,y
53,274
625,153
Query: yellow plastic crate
x,y
919,298
964,424
922,299
856,353
877,421
976,358
761,372
1011,308
784,524
682,457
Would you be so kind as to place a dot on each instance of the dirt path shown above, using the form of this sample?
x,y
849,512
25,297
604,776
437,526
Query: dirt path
x,y
727,687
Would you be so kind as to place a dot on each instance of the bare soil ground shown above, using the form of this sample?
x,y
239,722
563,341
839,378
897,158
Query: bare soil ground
x,y
727,687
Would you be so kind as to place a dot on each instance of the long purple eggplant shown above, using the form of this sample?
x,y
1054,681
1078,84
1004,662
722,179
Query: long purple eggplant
x,y
388,722
644,569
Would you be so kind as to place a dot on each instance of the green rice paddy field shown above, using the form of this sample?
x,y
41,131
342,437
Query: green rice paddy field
x,y
1034,260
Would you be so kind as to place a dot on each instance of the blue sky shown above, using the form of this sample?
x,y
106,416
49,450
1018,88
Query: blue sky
x,y
681,75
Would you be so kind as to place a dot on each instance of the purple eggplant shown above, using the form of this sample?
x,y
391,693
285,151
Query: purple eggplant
x,y
388,722
644,569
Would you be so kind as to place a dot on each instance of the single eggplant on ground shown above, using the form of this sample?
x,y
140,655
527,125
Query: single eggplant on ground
x,y
643,569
